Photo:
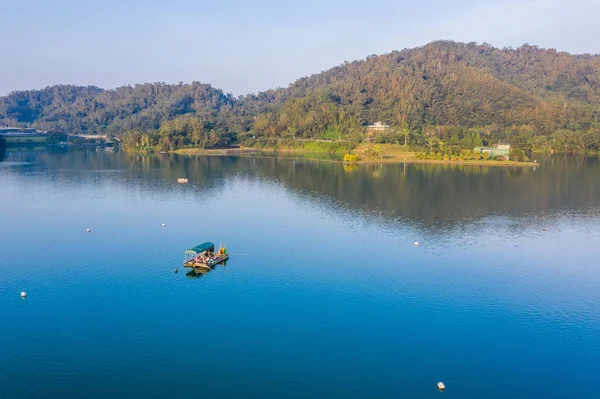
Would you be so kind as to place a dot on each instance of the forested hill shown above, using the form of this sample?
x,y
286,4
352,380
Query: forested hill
x,y
442,90
443,84
92,110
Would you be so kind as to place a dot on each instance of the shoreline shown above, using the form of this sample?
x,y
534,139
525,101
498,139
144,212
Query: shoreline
x,y
405,157
216,151
429,161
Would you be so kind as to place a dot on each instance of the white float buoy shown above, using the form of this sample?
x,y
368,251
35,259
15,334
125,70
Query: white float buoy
x,y
89,231
441,386
23,294
175,270
416,243
164,225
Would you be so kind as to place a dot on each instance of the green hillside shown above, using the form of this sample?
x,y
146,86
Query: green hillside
x,y
446,91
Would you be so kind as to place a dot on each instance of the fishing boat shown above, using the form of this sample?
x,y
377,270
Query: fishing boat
x,y
204,256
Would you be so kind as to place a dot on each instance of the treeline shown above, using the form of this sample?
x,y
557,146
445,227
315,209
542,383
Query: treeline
x,y
179,133
530,97
149,108
523,137
454,154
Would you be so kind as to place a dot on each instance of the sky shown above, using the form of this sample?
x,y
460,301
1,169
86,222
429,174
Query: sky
x,y
249,46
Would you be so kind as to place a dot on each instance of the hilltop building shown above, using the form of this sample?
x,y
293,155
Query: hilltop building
x,y
377,127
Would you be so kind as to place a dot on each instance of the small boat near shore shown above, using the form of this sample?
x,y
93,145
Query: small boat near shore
x,y
204,256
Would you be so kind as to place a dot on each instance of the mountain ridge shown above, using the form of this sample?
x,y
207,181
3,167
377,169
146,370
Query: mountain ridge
x,y
439,87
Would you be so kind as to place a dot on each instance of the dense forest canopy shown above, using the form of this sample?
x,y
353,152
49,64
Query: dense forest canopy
x,y
444,91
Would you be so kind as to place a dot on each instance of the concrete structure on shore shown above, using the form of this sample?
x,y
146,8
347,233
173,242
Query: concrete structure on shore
x,y
21,132
499,150
21,136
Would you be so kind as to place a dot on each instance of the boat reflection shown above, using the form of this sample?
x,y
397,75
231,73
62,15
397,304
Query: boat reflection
x,y
197,272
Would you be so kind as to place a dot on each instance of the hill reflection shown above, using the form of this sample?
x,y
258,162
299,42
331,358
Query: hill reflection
x,y
418,193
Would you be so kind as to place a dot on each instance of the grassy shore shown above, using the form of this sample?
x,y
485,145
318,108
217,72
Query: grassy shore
x,y
392,154
219,151
294,147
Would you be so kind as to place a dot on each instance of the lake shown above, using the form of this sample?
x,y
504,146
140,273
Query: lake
x,y
325,295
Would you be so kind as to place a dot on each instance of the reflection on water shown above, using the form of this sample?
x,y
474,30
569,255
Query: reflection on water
x,y
426,194
196,272
325,294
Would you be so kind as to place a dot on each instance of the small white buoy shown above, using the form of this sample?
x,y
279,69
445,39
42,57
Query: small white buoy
x,y
416,243
164,225
176,270
441,386
89,231
23,294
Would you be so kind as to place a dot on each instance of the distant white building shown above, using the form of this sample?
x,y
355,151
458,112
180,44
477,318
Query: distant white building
x,y
499,150
378,126
20,132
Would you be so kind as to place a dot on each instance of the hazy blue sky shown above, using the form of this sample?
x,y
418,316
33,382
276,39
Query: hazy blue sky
x,y
248,46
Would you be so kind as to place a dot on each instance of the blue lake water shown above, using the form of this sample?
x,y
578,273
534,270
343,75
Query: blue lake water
x,y
325,295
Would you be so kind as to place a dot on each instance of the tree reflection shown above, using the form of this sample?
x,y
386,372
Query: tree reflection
x,y
425,194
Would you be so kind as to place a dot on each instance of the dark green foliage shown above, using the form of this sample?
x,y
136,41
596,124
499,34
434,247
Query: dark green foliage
x,y
517,154
144,107
56,138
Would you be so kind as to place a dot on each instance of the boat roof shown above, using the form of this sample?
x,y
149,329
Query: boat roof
x,y
200,248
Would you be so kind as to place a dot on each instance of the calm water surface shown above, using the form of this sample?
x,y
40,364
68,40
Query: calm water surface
x,y
325,295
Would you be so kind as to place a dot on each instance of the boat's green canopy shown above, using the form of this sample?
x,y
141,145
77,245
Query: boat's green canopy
x,y
201,248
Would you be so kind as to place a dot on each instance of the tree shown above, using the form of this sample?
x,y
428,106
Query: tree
x,y
541,143
516,155
406,134
213,139
477,141
351,158
466,143
374,152
196,137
